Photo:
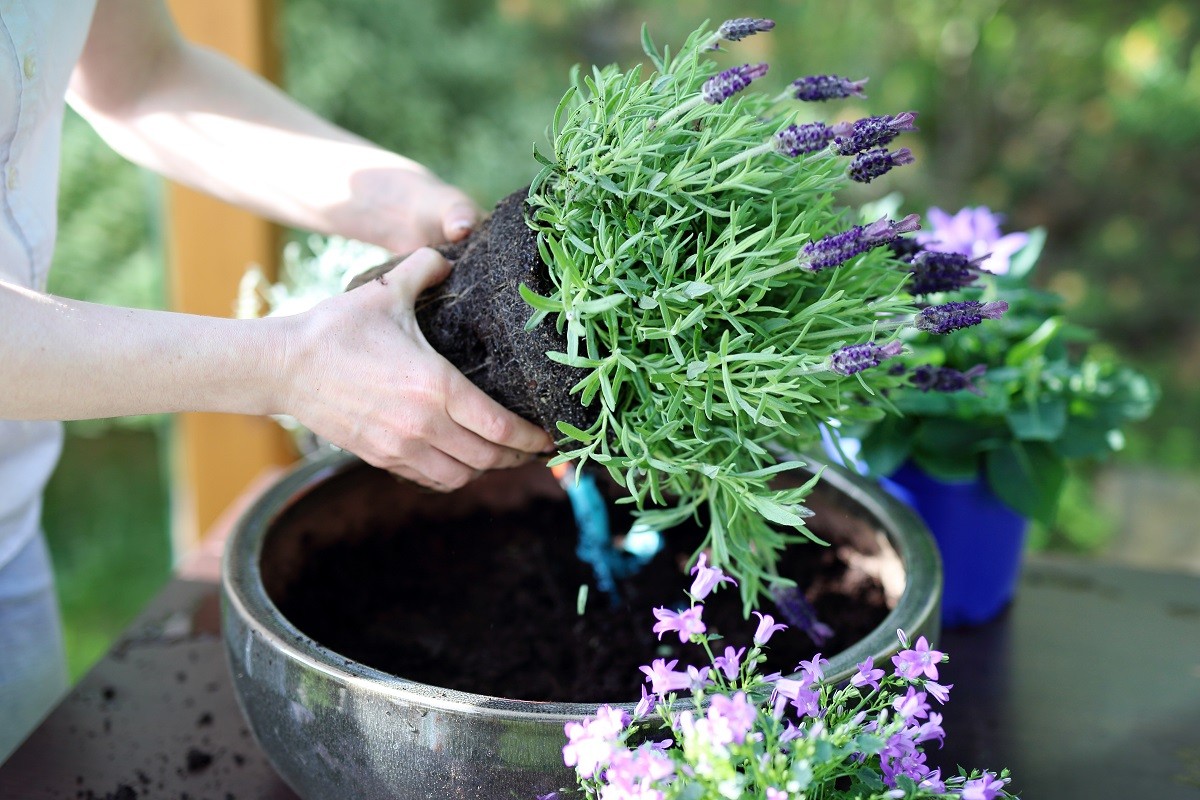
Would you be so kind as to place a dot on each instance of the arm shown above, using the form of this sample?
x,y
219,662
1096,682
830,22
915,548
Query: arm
x,y
355,370
196,117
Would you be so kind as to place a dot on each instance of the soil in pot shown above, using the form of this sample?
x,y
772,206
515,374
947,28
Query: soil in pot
x,y
485,601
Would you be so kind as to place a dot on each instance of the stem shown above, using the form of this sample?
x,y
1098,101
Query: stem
x,y
682,108
745,155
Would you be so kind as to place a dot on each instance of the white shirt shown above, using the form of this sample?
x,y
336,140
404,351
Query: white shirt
x,y
40,41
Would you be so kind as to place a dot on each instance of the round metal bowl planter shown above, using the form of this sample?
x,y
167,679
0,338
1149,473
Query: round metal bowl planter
x,y
336,728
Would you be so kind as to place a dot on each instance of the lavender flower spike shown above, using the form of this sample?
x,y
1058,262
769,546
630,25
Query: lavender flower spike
x,y
953,316
928,378
858,357
726,84
841,247
826,87
855,137
934,271
795,140
734,30
868,166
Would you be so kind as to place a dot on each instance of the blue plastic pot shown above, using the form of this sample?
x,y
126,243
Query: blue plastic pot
x,y
981,541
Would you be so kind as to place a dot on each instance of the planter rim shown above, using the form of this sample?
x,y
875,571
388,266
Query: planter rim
x,y
243,591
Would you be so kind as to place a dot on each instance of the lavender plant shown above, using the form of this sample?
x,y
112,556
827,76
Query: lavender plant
x,y
722,303
726,730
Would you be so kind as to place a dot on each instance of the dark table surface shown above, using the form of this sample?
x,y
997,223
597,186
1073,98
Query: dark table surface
x,y
1087,687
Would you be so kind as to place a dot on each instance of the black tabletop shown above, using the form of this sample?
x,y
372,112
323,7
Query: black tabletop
x,y
1088,687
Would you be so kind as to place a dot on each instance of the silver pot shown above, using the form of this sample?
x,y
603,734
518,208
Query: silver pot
x,y
335,728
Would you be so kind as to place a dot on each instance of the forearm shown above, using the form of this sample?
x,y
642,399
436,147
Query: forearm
x,y
63,359
206,123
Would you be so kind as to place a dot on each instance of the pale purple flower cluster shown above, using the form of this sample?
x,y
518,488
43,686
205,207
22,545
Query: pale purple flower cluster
x,y
727,83
734,30
839,248
933,271
950,317
869,165
855,137
734,743
855,358
826,87
795,140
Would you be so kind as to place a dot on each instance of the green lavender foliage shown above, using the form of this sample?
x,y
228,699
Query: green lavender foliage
x,y
678,287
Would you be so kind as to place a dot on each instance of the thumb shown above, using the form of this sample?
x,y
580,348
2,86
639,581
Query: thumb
x,y
415,274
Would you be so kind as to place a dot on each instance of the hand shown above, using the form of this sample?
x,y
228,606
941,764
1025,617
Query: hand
x,y
362,375
404,208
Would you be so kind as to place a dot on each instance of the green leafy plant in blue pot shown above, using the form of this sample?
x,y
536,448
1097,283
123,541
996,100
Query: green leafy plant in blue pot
x,y
990,417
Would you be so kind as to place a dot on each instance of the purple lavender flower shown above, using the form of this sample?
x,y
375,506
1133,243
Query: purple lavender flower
x,y
858,357
974,232
868,166
905,248
935,271
800,614
767,627
795,140
726,84
686,623
947,379
986,787
707,578
867,675
839,248
826,87
730,663
950,317
734,30
855,137
918,660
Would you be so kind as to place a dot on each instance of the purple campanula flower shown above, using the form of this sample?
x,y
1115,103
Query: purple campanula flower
x,y
592,742
795,140
986,787
767,627
805,699
790,732
974,232
838,248
734,30
929,730
707,579
664,678
940,693
950,317
900,756
727,83
814,669
933,782
867,675
920,660
947,379
855,358
912,706
645,705
934,271
851,138
685,623
730,664
736,712
826,87
869,165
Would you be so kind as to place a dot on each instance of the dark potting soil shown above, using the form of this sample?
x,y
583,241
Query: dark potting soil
x,y
476,319
487,604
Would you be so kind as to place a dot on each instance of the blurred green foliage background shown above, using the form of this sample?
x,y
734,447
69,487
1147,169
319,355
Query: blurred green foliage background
x,y
1078,116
